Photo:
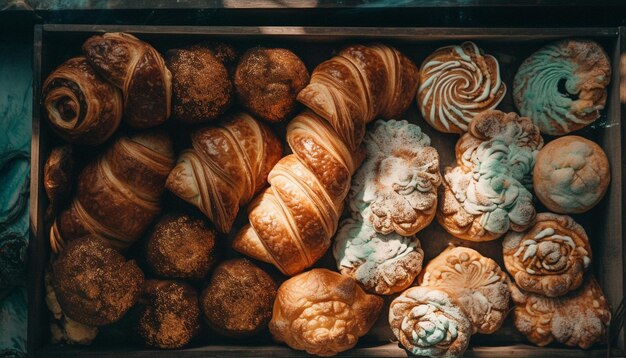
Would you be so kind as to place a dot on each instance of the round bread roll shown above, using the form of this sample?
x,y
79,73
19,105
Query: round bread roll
x,y
267,81
94,284
201,86
238,301
181,247
169,314
571,175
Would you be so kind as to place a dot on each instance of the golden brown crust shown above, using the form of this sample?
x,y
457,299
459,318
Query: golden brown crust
x,y
227,165
201,86
94,284
267,81
238,300
181,247
169,315
80,105
322,312
58,175
138,70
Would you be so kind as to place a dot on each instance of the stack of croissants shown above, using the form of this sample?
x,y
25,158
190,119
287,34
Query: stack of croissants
x,y
197,191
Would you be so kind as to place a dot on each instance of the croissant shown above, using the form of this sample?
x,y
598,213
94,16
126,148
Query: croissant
x,y
118,194
226,167
292,221
139,70
81,106
359,84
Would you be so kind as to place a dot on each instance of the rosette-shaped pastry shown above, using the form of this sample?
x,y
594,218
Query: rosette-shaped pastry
x,y
429,321
487,193
395,190
81,106
550,258
481,286
580,318
322,312
562,86
457,83
383,264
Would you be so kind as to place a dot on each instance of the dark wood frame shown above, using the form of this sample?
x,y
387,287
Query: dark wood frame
x,y
611,254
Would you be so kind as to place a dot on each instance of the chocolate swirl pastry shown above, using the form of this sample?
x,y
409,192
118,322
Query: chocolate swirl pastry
x,y
562,86
550,258
80,105
138,70
457,83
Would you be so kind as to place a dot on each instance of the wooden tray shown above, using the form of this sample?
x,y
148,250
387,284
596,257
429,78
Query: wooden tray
x,y
55,43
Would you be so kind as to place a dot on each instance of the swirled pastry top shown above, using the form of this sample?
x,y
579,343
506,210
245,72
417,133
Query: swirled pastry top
x,y
571,175
383,264
550,258
456,83
395,190
562,86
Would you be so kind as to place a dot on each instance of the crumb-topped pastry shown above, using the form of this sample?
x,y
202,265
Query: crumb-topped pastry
x,y
487,192
382,264
429,321
562,86
395,190
571,175
480,284
457,83
550,258
580,318
322,312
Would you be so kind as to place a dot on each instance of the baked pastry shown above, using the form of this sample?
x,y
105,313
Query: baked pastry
x,y
430,321
322,312
395,190
487,192
292,221
202,89
181,247
94,284
238,301
580,318
456,84
226,166
480,285
118,193
359,84
571,175
267,81
562,86
169,314
80,105
382,264
58,175
549,258
138,70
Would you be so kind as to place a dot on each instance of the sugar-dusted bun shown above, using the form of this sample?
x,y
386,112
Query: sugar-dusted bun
x,y
322,312
580,318
395,190
550,258
480,284
94,284
169,315
382,264
571,175
457,83
488,191
562,86
430,321
238,301
182,247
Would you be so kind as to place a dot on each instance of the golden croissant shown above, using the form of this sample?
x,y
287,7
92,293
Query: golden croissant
x,y
359,84
292,221
226,166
